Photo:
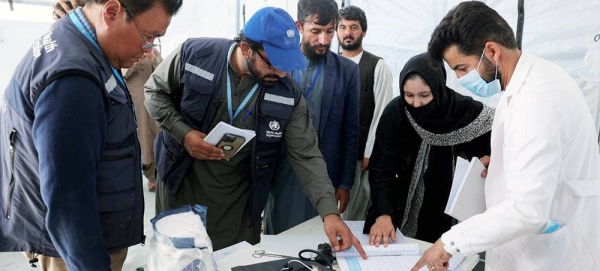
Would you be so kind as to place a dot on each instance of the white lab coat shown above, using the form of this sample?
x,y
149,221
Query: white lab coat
x,y
545,164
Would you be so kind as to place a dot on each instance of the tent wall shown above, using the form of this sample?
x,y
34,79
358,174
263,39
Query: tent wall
x,y
558,30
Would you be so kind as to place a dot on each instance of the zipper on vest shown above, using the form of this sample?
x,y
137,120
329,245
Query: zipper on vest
x,y
116,157
11,186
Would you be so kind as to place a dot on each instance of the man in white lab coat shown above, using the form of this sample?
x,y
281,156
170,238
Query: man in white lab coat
x,y
543,181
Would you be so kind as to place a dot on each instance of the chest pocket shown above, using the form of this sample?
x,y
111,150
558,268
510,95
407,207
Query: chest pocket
x,y
197,91
274,115
121,123
116,174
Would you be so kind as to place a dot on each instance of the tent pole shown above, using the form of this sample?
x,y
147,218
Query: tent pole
x,y
237,18
520,22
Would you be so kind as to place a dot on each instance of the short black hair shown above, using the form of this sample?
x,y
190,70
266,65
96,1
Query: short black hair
x,y
354,13
469,26
136,7
325,10
255,46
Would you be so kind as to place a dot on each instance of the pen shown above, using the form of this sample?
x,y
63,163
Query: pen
x,y
247,114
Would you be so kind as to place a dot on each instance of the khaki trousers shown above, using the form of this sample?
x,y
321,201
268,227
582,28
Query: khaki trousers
x,y
360,196
57,264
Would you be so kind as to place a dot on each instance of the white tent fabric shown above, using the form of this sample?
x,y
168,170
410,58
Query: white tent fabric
x,y
561,31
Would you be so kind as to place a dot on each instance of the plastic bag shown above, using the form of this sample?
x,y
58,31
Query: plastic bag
x,y
180,241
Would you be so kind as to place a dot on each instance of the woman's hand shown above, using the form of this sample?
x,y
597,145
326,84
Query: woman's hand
x,y
381,230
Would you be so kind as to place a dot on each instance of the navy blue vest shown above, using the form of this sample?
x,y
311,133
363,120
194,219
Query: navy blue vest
x,y
203,61
65,51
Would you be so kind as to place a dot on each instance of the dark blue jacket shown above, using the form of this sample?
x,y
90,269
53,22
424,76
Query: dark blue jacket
x,y
198,102
70,172
338,131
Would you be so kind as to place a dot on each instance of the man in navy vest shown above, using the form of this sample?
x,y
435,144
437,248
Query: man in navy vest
x,y
241,82
375,93
330,85
70,179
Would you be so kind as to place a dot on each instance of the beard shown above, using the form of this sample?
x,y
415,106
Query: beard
x,y
489,71
351,46
258,78
311,53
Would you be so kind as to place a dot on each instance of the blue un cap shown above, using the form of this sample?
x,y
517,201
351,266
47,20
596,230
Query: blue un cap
x,y
276,30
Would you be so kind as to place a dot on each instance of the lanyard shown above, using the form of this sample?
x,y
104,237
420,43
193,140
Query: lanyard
x,y
312,83
229,99
87,34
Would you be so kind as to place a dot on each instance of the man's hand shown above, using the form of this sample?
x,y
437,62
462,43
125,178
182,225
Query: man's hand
x,y
486,162
196,146
381,230
334,226
342,197
150,55
435,258
61,8
365,164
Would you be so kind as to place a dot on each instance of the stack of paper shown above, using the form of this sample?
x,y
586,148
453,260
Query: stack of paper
x,y
391,263
467,196
356,227
400,255
390,250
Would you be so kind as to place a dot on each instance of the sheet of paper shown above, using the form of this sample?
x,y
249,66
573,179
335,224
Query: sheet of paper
x,y
390,250
221,253
388,263
461,169
356,227
290,245
391,263
455,262
469,198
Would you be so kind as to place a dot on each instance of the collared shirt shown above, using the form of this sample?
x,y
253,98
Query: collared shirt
x,y
544,165
88,27
315,97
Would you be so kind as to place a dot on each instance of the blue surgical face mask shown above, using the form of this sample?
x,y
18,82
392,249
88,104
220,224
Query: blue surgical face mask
x,y
474,83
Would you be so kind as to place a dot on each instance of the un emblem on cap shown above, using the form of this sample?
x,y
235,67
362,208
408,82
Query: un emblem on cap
x,y
274,125
291,33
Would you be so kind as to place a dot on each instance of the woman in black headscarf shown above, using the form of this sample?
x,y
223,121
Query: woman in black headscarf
x,y
420,134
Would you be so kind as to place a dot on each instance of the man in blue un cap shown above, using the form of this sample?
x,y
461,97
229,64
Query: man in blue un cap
x,y
241,82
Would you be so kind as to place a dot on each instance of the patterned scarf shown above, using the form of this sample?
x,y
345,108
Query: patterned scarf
x,y
479,126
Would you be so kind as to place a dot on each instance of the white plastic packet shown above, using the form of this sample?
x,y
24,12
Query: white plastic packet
x,y
180,241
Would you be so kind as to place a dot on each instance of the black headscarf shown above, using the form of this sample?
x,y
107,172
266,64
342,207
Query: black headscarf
x,y
448,111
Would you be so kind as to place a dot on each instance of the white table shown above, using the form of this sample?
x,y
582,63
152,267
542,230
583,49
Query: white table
x,y
311,229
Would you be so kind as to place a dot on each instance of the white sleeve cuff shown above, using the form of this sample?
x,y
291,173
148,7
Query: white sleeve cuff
x,y
453,241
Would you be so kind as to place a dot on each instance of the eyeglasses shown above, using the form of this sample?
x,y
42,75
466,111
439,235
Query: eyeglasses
x,y
147,45
264,59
